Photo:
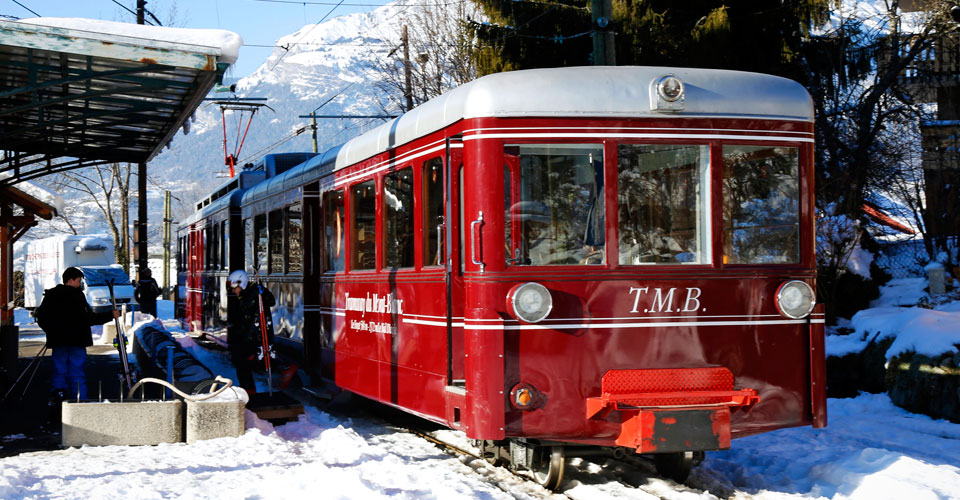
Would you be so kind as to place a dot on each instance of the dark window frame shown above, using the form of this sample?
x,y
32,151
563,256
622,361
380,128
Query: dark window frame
x,y
334,262
399,250
288,238
363,249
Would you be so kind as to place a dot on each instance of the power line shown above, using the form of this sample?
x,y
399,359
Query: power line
x,y
301,38
28,8
124,7
344,4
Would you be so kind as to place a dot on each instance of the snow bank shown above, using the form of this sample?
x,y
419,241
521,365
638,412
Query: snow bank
x,y
227,42
901,292
925,331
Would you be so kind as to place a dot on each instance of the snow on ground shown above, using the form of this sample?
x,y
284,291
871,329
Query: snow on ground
x,y
925,331
870,450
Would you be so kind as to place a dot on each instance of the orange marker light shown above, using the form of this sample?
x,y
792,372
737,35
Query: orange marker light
x,y
524,397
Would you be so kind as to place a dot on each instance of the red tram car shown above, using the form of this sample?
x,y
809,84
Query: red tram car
x,y
558,262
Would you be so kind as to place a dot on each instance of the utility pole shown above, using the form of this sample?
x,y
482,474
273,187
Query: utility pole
x,y
166,244
141,223
601,14
406,67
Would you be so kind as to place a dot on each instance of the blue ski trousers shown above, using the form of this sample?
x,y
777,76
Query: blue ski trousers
x,y
69,375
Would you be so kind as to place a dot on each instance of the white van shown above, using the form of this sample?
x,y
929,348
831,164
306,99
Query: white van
x,y
47,258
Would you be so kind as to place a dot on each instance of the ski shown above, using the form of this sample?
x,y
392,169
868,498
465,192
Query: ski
x,y
121,340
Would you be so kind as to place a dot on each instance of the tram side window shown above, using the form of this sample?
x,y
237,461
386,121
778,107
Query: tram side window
x,y
554,204
223,244
761,205
260,242
433,212
207,246
215,247
663,203
276,241
363,206
398,218
294,247
333,230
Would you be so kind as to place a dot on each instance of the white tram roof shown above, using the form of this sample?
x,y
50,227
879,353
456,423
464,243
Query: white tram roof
x,y
589,92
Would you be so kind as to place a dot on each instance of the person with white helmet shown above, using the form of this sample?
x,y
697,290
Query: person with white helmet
x,y
244,336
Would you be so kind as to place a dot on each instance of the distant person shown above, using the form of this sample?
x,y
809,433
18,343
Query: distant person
x,y
66,318
244,338
147,292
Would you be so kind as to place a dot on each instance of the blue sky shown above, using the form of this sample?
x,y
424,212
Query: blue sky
x,y
259,22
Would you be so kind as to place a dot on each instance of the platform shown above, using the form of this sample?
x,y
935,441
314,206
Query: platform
x,y
277,408
25,423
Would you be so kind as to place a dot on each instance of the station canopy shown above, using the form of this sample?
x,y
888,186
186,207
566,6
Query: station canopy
x,y
81,92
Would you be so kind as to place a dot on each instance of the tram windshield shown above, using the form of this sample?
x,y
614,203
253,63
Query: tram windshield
x,y
663,203
761,205
554,210
554,204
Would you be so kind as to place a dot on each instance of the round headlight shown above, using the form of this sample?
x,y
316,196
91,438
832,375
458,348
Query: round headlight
x,y
670,88
795,299
530,302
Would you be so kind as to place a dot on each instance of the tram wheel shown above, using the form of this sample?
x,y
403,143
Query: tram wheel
x,y
677,466
548,464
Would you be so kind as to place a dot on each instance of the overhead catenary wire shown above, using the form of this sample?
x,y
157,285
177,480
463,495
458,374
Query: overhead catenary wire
x,y
28,8
402,8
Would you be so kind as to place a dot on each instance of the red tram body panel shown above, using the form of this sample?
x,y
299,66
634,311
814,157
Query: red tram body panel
x,y
630,269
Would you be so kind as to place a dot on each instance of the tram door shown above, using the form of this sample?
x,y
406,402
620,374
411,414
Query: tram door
x,y
453,271
194,308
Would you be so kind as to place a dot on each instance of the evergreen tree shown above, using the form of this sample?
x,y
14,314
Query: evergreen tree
x,y
751,35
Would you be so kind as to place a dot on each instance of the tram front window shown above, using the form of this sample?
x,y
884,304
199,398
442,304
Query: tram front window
x,y
554,210
761,205
663,204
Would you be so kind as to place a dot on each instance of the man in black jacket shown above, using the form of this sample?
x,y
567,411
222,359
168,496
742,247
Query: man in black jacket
x,y
66,318
147,293
244,337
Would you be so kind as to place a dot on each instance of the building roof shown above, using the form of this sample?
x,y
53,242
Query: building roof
x,y
78,92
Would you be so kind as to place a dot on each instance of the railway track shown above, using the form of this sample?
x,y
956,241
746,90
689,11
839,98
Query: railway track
x,y
584,477
599,474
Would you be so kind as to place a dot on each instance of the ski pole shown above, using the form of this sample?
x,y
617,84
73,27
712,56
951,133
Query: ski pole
x,y
121,338
263,336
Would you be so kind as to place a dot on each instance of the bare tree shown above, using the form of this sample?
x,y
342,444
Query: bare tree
x,y
441,53
108,188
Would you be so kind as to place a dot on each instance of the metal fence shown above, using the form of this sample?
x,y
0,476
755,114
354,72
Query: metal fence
x,y
903,259
906,259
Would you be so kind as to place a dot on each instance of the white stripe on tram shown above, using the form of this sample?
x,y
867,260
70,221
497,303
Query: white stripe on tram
x,y
392,162
613,135
655,324
629,130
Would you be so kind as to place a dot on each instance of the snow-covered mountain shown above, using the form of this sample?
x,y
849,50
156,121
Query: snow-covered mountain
x,y
318,62
333,59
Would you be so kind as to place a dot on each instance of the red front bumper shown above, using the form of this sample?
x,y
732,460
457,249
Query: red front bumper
x,y
666,410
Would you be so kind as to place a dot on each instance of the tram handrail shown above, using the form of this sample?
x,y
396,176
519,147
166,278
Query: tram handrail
x,y
473,242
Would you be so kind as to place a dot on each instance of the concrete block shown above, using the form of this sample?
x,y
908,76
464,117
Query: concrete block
x,y
128,423
109,333
214,419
